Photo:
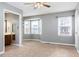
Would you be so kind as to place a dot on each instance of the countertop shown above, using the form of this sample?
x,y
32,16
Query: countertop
x,y
9,33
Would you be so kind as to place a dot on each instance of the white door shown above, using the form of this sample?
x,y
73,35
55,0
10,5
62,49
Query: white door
x,y
77,30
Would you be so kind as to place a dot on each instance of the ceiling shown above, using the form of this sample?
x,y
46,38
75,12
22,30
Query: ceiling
x,y
28,10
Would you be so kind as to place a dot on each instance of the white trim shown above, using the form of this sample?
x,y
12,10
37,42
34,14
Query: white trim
x,y
31,39
18,45
78,51
20,32
58,43
11,11
51,42
76,41
2,52
20,29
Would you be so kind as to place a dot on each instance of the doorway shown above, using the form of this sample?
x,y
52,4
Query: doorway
x,y
12,29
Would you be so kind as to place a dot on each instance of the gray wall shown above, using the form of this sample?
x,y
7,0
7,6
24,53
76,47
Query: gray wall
x,y
2,7
50,28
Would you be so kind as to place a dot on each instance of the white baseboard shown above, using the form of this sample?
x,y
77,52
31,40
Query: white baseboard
x,y
51,42
32,39
78,51
58,43
2,52
19,45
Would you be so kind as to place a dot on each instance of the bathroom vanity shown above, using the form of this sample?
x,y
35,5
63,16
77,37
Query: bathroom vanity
x,y
9,37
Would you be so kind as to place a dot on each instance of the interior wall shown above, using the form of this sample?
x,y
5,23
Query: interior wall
x,y
50,28
4,6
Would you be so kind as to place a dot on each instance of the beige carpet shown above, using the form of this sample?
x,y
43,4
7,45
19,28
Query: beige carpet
x,y
38,49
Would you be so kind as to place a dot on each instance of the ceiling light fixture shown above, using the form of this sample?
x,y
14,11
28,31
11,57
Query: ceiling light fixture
x,y
38,5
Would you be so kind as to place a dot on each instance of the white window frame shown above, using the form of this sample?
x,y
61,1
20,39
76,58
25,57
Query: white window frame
x,y
59,26
25,31
34,19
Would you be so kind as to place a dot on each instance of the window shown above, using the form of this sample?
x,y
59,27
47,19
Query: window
x,y
65,26
32,26
27,27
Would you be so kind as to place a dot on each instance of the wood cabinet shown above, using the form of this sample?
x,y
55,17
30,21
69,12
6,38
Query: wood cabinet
x,y
9,38
13,36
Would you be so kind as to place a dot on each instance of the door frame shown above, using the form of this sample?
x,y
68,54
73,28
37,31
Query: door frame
x,y
76,33
20,28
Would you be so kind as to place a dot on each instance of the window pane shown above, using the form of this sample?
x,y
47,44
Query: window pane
x,y
34,27
27,27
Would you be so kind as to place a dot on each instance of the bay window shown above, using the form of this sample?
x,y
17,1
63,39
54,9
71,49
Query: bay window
x,y
32,26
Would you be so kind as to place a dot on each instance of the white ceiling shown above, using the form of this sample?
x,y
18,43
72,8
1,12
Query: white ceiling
x,y
28,10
